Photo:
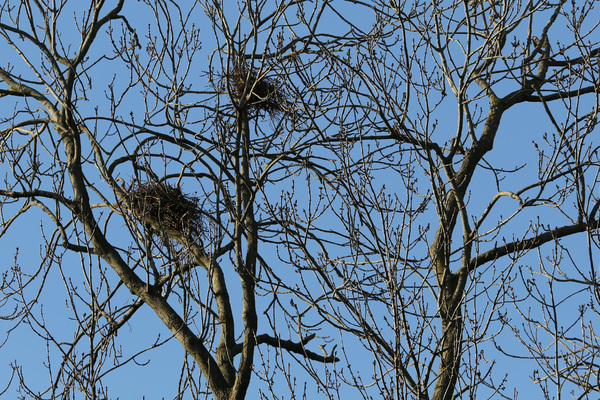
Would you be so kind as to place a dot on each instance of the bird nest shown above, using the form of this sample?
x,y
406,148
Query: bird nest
x,y
167,208
265,94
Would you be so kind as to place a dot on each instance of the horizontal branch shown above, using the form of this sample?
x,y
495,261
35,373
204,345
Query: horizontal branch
x,y
573,61
529,95
37,193
531,243
79,249
290,346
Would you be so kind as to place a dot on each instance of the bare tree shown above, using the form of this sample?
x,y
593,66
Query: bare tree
x,y
117,120
333,174
441,185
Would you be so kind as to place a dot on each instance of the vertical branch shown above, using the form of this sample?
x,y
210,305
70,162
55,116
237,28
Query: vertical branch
x,y
246,230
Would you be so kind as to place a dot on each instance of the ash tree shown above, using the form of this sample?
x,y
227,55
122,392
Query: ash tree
x,y
369,199
148,159
465,172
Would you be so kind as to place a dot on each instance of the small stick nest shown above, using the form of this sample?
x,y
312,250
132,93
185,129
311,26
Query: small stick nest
x,y
264,94
167,208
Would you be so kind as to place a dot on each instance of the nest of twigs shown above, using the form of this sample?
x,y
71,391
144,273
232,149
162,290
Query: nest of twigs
x,y
265,94
167,208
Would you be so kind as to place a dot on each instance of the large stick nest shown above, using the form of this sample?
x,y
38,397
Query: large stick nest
x,y
167,208
264,94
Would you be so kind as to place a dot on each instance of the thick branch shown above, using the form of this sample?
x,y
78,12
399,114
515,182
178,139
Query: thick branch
x,y
531,243
292,347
